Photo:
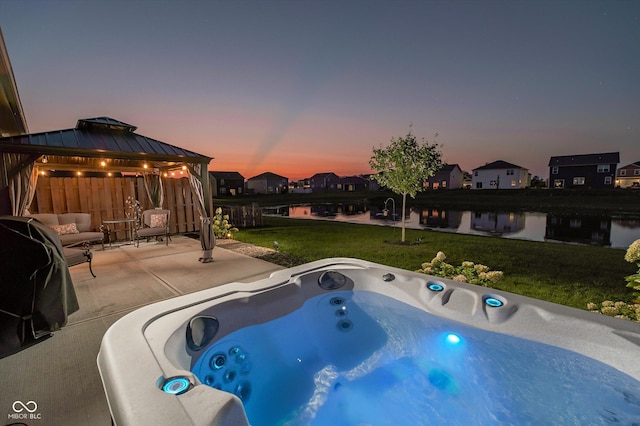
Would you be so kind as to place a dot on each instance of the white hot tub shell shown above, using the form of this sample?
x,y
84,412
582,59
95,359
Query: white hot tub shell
x,y
146,347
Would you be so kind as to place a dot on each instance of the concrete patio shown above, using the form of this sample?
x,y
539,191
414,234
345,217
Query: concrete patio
x,y
60,374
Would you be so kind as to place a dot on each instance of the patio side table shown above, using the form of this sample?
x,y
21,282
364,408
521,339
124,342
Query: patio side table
x,y
113,222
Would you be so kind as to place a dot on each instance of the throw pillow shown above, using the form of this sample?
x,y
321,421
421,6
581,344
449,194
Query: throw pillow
x,y
158,220
67,228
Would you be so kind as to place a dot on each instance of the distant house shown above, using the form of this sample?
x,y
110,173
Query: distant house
x,y
500,175
226,183
373,184
301,186
267,183
450,176
628,176
324,182
583,171
467,180
353,183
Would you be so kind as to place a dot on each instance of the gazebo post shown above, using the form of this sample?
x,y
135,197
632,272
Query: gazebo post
x,y
199,178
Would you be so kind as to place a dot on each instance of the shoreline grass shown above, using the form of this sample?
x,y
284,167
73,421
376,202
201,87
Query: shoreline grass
x,y
567,274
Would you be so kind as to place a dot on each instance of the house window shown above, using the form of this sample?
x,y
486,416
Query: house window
x,y
509,172
636,172
578,180
221,181
444,183
623,172
435,185
558,183
475,173
478,185
513,183
603,168
607,180
554,170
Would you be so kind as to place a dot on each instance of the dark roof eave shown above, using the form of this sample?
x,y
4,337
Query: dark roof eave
x,y
95,153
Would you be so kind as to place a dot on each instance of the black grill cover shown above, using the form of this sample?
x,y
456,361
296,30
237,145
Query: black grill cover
x,y
36,292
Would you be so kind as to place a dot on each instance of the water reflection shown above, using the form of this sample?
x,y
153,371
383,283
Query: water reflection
x,y
593,230
440,218
582,229
497,223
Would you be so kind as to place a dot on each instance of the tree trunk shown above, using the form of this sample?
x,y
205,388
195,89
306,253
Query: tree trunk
x,y
404,203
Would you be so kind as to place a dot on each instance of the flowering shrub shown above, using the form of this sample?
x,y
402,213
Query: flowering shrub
x,y
467,272
221,226
633,256
621,309
616,309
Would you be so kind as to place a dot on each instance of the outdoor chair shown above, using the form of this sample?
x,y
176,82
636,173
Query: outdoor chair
x,y
77,254
155,223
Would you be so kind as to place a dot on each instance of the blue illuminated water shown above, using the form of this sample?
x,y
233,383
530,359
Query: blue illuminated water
x,y
361,358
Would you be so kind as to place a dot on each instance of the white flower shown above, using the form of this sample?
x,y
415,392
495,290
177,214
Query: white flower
x,y
633,252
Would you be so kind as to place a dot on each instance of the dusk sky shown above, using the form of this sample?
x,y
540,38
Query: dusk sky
x,y
300,87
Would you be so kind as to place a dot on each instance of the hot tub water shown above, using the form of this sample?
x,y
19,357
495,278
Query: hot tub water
x,y
359,357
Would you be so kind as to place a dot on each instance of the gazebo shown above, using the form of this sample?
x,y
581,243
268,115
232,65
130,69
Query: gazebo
x,y
98,144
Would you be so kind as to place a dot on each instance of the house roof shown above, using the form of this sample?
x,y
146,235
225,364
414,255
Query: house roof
x,y
226,175
585,159
322,175
268,176
499,165
632,165
12,119
448,168
353,180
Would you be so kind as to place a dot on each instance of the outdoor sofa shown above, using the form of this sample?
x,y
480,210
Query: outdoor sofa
x,y
72,228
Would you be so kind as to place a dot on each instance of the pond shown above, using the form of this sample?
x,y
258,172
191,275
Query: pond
x,y
598,230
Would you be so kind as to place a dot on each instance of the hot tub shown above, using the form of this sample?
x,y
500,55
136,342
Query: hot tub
x,y
344,341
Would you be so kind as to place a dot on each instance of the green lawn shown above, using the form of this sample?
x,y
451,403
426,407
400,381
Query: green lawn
x,y
561,273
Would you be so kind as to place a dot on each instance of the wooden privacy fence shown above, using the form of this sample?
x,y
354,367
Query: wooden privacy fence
x,y
106,199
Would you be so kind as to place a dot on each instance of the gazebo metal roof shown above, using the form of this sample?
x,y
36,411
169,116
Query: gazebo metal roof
x,y
96,143
99,137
